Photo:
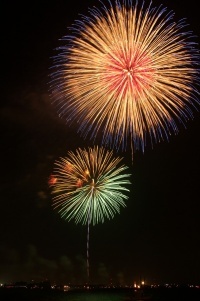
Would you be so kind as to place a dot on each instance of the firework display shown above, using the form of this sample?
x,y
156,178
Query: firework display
x,y
128,73
89,185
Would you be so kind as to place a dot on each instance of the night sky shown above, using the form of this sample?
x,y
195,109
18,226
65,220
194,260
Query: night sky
x,y
155,237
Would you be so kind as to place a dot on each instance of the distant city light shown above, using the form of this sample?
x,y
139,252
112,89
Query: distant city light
x,y
66,288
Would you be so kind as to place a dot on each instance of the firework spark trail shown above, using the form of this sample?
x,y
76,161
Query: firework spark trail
x,y
88,239
89,186
127,73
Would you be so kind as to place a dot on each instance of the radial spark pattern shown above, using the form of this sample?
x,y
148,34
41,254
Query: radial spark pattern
x,y
128,72
88,185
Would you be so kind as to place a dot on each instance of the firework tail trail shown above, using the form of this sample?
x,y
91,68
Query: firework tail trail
x,y
88,238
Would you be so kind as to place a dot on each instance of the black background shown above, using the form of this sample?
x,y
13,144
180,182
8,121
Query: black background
x,y
156,237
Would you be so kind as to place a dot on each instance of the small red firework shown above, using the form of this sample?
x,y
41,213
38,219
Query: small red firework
x,y
52,180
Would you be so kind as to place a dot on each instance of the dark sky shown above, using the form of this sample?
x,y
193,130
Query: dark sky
x,y
155,237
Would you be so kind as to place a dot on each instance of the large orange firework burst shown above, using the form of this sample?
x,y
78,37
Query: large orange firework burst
x,y
128,73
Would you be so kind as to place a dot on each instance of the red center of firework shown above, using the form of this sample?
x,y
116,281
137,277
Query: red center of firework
x,y
52,180
129,74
